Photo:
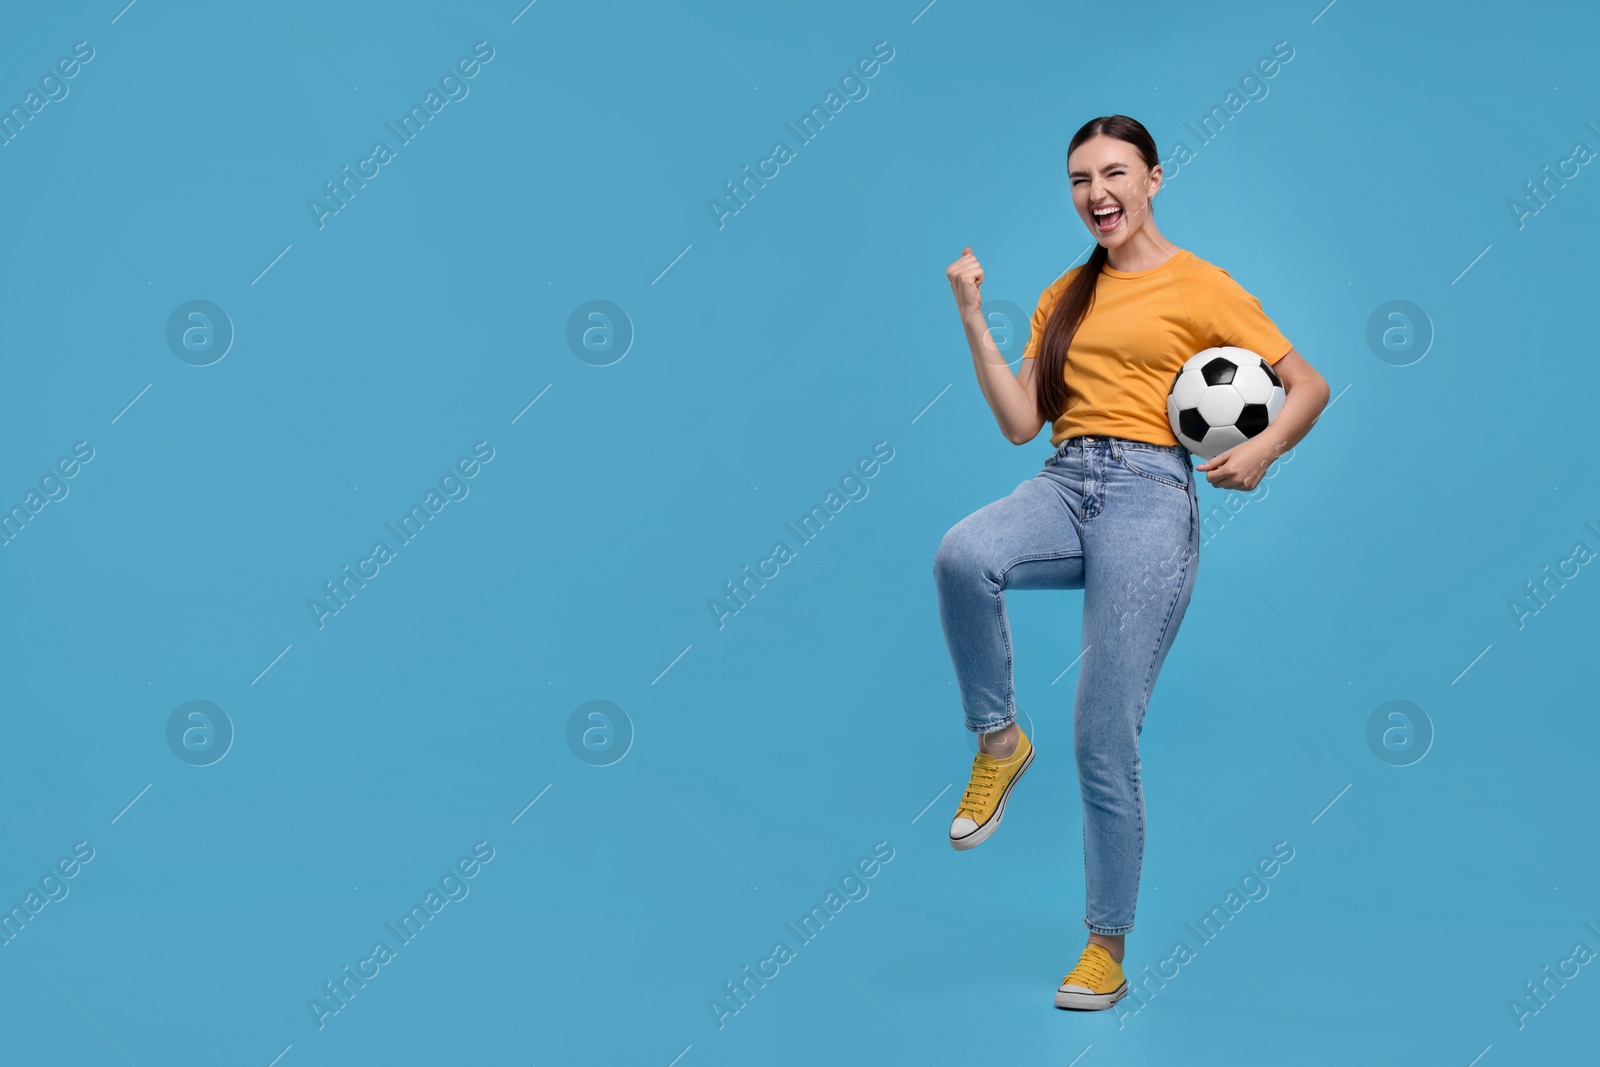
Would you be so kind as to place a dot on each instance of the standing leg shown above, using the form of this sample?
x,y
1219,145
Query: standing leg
x,y
1141,560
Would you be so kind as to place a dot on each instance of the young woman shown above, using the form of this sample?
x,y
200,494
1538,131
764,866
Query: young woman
x,y
1113,512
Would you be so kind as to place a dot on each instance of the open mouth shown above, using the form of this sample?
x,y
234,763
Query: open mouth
x,y
1107,219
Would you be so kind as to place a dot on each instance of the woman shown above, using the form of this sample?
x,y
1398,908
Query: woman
x,y
1113,512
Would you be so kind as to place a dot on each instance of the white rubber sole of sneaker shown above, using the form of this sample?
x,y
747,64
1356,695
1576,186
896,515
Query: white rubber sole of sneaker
x,y
1090,1001
981,834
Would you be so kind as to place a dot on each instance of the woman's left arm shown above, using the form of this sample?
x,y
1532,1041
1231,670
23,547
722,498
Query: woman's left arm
x,y
1306,394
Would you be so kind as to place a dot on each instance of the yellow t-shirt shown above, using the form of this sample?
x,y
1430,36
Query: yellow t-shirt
x,y
1138,332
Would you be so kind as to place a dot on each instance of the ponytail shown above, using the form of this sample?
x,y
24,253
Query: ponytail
x,y
1065,317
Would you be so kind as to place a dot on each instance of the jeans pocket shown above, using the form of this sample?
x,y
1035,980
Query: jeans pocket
x,y
1168,468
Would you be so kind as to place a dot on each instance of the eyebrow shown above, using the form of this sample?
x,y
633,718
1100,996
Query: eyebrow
x,y
1085,174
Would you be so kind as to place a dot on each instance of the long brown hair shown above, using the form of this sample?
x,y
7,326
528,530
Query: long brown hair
x,y
1075,301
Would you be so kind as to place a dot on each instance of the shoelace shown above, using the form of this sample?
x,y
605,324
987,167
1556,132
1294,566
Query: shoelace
x,y
1093,967
984,773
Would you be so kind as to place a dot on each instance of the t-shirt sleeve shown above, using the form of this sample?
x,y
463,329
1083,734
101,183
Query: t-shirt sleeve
x,y
1041,316
1227,314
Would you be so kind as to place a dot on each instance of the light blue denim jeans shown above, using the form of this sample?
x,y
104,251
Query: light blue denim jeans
x,y
1118,519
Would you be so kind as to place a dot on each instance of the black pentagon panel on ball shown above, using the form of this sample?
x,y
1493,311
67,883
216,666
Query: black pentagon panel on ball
x,y
1219,371
1252,420
1272,374
1194,426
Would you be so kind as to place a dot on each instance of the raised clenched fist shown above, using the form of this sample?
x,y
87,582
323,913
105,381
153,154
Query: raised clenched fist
x,y
966,275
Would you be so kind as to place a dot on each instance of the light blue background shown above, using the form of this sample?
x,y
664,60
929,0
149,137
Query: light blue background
x,y
768,756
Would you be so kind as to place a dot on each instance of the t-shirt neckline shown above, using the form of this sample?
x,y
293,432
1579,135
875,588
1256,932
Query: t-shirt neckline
x,y
1106,269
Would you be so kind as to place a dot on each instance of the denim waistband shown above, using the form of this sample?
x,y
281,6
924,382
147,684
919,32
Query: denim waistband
x,y
1108,441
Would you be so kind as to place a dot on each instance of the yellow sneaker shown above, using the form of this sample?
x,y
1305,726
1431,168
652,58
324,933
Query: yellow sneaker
x,y
984,802
1095,983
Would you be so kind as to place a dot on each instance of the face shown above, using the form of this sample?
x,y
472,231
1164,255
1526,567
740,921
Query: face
x,y
1108,173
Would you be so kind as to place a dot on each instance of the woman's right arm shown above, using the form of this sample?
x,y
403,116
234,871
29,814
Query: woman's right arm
x,y
1010,396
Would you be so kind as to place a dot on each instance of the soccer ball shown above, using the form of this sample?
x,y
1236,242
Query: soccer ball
x,y
1222,397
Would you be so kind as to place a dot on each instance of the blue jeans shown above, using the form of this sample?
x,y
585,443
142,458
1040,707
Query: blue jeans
x,y
1119,520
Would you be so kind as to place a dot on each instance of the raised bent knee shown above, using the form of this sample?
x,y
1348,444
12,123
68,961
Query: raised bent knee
x,y
956,555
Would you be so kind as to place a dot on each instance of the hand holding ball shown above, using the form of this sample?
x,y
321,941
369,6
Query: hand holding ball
x,y
1222,397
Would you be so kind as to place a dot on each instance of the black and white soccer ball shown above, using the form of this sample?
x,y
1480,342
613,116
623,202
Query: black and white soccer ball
x,y
1222,397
